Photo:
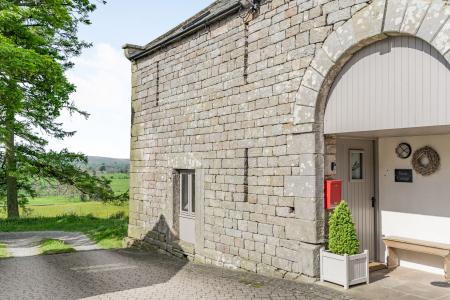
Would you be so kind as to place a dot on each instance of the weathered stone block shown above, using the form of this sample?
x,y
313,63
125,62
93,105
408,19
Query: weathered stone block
x,y
442,40
310,259
288,254
332,47
312,79
437,14
309,208
368,22
322,63
319,34
395,12
305,231
304,114
340,15
301,143
414,15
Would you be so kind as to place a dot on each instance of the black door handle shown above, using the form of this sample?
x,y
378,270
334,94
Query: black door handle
x,y
373,201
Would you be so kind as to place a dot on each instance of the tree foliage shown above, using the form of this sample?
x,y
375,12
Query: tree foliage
x,y
342,238
38,39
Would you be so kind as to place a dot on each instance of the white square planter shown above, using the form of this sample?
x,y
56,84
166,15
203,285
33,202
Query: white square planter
x,y
345,270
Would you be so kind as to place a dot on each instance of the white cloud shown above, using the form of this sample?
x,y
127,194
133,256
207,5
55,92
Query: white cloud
x,y
102,76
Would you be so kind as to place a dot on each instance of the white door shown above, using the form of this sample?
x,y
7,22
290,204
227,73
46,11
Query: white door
x,y
355,166
187,206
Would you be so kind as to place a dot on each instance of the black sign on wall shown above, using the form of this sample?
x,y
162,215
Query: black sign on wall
x,y
403,175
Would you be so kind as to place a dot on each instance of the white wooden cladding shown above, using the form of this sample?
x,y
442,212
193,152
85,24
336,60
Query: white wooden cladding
x,y
399,82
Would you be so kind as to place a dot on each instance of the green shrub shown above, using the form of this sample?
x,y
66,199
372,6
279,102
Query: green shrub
x,y
342,237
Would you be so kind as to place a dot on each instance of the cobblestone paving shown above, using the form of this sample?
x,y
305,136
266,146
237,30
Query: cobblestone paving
x,y
132,274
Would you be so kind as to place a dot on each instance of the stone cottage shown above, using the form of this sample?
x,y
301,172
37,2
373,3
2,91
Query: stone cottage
x,y
240,113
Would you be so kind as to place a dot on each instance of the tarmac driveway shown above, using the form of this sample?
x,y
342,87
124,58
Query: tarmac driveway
x,y
134,274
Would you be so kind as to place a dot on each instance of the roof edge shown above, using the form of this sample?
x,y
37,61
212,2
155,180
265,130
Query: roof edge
x,y
134,52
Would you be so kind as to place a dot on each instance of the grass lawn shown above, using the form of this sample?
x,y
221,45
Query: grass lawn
x,y
95,208
52,246
120,182
3,251
52,200
104,223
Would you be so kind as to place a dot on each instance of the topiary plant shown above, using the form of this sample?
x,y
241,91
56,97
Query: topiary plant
x,y
342,237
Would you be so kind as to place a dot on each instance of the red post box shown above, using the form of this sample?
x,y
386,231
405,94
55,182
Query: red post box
x,y
333,193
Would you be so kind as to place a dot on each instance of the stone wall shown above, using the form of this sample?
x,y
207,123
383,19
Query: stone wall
x,y
255,140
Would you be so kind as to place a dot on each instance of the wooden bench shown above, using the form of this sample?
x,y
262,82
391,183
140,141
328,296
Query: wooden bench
x,y
393,242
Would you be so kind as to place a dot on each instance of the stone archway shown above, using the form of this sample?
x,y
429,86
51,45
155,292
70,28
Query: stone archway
x,y
428,20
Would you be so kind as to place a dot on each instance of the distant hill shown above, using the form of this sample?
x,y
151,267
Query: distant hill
x,y
108,164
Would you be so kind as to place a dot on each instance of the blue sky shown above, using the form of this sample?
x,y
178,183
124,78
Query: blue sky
x,y
102,74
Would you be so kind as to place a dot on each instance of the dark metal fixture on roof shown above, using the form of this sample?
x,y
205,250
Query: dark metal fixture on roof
x,y
253,5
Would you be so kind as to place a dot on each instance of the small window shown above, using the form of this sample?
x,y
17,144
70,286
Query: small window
x,y
187,192
356,165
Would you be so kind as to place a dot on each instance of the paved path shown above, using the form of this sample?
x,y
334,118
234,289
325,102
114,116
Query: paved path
x,y
132,274
22,244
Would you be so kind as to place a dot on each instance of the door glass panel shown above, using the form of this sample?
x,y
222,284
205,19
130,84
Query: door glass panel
x,y
193,192
356,164
184,192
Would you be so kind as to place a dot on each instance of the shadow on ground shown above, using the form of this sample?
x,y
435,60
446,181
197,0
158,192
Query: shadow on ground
x,y
83,274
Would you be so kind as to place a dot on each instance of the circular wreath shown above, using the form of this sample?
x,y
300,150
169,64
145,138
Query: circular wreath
x,y
426,161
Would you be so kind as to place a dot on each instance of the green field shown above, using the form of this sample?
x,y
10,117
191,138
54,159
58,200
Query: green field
x,y
104,223
119,182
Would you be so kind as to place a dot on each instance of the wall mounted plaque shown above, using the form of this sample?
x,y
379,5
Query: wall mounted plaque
x,y
403,175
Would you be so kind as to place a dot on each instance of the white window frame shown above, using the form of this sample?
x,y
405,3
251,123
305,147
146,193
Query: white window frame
x,y
191,192
361,152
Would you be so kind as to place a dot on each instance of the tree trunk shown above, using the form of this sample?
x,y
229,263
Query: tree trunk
x,y
11,168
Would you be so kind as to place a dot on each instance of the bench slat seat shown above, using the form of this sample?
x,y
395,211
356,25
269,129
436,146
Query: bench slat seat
x,y
420,246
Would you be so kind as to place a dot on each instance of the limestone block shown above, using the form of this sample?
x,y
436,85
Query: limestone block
x,y
265,229
442,40
248,265
415,12
312,79
309,208
340,15
319,34
135,232
330,7
282,264
368,22
301,143
395,12
288,254
322,63
267,270
304,114
137,129
284,211
332,47
306,96
437,14
346,35
310,163
305,230
310,259
300,186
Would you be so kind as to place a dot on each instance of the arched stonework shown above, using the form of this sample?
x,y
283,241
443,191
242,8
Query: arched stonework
x,y
425,19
